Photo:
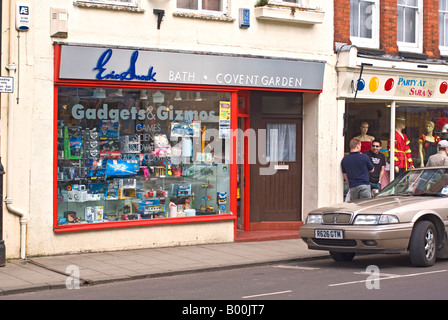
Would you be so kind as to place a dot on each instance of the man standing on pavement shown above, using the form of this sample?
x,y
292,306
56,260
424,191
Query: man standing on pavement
x,y
379,162
441,157
355,168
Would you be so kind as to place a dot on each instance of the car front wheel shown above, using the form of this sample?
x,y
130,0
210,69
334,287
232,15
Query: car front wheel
x,y
423,244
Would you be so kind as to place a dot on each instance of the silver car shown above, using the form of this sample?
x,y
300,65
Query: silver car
x,y
409,215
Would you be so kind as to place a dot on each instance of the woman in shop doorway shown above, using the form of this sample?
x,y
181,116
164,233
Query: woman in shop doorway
x,y
403,160
366,140
427,143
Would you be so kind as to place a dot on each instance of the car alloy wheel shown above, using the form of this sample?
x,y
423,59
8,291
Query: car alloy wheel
x,y
422,247
430,246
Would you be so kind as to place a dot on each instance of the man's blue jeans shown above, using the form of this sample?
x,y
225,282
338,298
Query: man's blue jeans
x,y
360,192
375,186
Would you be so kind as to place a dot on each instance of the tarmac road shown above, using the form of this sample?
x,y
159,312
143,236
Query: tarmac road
x,y
366,278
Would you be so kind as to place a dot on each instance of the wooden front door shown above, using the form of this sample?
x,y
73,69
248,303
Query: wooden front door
x,y
276,177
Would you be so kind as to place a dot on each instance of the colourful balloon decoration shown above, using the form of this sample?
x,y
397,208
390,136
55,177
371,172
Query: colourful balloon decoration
x,y
443,87
389,84
373,84
361,84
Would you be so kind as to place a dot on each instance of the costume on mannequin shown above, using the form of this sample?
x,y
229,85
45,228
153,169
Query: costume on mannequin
x,y
427,143
366,140
402,159
442,125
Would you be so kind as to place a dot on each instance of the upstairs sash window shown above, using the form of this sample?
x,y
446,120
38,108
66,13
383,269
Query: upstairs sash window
x,y
213,6
409,25
364,23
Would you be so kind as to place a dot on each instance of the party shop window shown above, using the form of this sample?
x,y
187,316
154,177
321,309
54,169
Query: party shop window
x,y
126,154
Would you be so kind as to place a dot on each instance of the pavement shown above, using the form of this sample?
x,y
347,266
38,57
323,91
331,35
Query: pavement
x,y
53,272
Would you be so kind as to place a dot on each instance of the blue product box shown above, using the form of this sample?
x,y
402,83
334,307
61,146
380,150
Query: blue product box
x,y
121,168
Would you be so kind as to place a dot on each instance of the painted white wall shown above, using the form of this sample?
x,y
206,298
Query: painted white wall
x,y
32,168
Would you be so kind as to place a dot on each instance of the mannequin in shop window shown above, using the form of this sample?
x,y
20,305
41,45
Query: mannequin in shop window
x,y
366,140
427,143
403,159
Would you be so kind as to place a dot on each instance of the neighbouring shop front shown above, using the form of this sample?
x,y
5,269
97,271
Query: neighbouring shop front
x,y
146,137
403,100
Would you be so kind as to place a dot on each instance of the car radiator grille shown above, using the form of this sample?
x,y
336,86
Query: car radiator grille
x,y
337,218
335,242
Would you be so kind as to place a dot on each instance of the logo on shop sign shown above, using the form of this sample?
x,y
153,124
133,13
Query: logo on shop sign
x,y
128,75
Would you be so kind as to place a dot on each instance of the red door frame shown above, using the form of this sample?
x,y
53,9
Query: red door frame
x,y
245,114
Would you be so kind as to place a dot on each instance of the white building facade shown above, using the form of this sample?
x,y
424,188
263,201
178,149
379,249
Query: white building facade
x,y
120,131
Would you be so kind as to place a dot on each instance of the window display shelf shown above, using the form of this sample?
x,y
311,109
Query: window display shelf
x,y
92,200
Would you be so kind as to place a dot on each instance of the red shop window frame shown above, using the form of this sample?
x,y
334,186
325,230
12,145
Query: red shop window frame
x,y
134,223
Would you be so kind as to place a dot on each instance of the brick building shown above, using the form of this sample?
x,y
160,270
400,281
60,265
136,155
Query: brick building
x,y
391,66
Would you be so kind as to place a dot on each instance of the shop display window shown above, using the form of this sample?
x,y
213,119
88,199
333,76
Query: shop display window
x,y
424,126
127,154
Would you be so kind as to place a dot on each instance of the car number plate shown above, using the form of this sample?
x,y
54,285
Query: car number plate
x,y
328,234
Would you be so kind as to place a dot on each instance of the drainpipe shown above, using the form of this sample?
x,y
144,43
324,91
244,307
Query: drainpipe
x,y
9,176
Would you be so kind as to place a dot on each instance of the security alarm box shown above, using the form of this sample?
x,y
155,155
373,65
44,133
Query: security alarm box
x,y
22,16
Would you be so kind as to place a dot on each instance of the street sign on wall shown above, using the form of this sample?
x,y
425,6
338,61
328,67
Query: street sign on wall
x,y
6,84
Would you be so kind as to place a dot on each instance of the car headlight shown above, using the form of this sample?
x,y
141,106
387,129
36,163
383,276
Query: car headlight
x,y
367,219
388,218
314,218
376,219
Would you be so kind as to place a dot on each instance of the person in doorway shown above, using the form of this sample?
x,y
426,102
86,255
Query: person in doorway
x,y
355,168
379,162
403,160
366,140
427,143
441,157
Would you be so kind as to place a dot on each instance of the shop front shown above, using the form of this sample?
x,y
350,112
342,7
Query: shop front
x,y
148,137
406,100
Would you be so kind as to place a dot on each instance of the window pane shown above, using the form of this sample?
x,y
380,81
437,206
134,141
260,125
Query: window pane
x,y
400,30
283,105
281,142
354,18
131,154
214,5
445,33
441,43
410,25
366,19
114,2
187,4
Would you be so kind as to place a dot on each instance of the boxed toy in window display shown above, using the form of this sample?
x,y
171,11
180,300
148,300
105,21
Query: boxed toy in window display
x,y
106,176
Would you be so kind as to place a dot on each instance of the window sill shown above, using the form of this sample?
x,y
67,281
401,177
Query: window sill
x,y
107,7
140,223
191,15
290,14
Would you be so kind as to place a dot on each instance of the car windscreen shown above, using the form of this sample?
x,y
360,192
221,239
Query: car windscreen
x,y
427,182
